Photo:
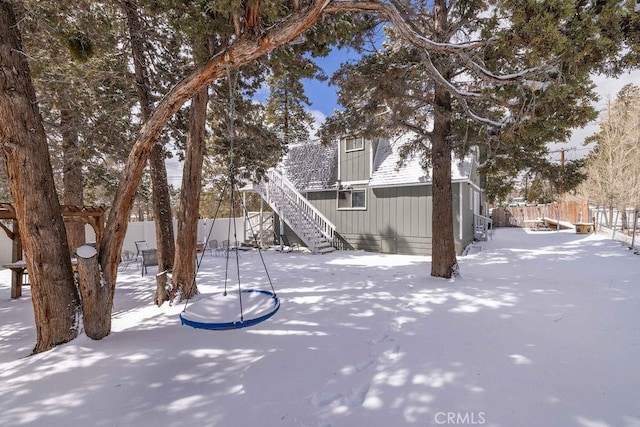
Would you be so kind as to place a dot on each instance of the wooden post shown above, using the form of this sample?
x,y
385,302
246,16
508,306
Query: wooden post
x,y
97,321
16,254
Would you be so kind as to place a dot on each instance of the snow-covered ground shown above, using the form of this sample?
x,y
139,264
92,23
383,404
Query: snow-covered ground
x,y
541,329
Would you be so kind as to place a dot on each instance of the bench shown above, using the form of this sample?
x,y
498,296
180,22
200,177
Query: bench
x,y
537,225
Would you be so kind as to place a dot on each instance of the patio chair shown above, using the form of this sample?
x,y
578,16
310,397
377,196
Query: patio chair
x,y
148,257
141,245
223,248
127,258
212,247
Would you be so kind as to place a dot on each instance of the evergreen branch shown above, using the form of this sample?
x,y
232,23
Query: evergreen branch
x,y
403,24
461,96
407,30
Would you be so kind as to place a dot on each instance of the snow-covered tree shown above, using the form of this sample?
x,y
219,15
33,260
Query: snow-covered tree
x,y
508,76
613,166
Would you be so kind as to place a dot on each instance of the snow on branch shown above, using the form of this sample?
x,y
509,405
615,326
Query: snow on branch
x,y
407,30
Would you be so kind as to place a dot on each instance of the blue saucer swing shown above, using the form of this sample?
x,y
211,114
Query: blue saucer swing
x,y
244,307
211,313
231,309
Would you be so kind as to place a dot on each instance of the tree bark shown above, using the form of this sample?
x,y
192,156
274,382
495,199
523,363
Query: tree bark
x,y
443,256
184,265
161,198
71,176
163,289
24,149
96,299
244,49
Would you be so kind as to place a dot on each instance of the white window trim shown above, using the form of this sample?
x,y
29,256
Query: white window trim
x,y
363,208
361,148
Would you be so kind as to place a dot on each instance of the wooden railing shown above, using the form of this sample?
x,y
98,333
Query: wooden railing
x,y
295,210
258,228
483,224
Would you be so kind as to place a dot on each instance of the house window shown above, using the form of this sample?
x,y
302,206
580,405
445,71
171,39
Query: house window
x,y
354,144
352,199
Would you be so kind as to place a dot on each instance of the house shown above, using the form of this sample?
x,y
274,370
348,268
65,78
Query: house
x,y
353,194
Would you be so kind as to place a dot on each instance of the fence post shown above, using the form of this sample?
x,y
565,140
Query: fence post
x,y
614,224
635,225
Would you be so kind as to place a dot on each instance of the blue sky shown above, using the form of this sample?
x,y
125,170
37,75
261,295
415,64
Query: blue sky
x,y
324,100
322,95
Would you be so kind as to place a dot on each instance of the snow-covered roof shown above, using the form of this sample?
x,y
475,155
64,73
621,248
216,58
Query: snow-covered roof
x,y
386,172
311,165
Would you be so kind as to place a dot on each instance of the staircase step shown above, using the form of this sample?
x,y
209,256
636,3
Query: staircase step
x,y
296,212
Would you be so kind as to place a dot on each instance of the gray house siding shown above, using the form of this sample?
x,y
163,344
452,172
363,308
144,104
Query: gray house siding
x,y
396,216
396,219
464,209
355,165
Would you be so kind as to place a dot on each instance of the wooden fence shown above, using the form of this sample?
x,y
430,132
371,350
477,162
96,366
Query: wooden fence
x,y
516,216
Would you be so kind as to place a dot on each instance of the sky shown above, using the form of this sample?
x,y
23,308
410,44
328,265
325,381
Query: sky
x,y
323,97
324,100
607,89
541,329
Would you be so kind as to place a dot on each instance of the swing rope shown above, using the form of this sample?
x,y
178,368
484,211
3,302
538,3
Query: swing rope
x,y
232,183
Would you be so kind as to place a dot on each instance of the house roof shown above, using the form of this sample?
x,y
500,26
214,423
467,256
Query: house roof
x,y
387,173
312,166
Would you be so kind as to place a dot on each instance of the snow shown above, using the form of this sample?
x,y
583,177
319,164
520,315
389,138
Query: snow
x,y
541,329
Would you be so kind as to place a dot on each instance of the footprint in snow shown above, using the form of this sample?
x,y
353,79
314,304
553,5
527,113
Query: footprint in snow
x,y
324,398
351,369
380,339
357,396
391,355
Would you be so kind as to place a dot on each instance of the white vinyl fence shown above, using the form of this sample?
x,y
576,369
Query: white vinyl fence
x,y
621,226
223,229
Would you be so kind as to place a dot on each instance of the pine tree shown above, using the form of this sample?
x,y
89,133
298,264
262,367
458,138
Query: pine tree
x,y
256,28
509,78
285,110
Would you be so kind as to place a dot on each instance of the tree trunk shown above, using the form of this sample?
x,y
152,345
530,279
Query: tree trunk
x,y
72,176
443,255
24,148
160,194
245,48
163,289
184,264
163,217
96,299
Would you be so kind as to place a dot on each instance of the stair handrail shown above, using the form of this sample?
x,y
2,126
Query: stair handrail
x,y
487,223
322,223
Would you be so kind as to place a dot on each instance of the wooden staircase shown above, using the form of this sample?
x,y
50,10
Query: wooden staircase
x,y
482,228
309,224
